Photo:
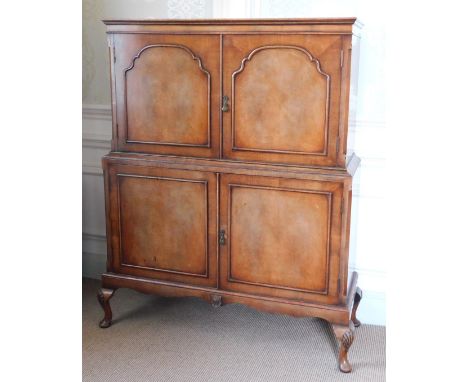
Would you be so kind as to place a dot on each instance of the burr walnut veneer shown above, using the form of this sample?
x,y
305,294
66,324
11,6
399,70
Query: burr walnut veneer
x,y
228,177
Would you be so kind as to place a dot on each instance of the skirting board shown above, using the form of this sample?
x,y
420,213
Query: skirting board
x,y
371,309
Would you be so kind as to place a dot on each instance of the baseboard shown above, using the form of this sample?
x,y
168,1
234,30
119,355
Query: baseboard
x,y
371,310
95,111
97,126
94,255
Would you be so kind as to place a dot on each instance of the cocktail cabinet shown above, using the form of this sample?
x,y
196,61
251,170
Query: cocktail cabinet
x,y
229,177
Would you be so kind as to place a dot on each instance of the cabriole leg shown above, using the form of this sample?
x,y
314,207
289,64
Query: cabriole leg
x,y
345,336
104,295
357,300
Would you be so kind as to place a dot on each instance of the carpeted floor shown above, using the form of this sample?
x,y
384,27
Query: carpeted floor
x,y
168,339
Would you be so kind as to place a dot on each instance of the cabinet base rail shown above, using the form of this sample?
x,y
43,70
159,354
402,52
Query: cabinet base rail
x,y
342,317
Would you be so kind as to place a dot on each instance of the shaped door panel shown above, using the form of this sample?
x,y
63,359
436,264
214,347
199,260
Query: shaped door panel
x,y
167,94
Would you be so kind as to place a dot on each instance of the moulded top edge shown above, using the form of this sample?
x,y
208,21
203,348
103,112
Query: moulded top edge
x,y
227,165
246,21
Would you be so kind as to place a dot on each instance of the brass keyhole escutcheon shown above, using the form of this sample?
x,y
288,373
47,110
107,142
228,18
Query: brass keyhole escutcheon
x,y
225,106
222,237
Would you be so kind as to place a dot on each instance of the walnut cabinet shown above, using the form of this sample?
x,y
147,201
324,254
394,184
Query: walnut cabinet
x,y
229,177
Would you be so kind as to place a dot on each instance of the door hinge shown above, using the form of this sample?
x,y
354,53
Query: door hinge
x,y
337,144
222,237
113,53
339,286
341,58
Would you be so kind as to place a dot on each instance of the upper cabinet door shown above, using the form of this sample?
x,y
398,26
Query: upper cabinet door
x,y
284,98
166,94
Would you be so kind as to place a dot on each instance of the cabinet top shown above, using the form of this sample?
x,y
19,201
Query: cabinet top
x,y
324,25
248,21
236,167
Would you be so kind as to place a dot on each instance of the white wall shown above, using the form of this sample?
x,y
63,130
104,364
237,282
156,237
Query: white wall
x,y
367,130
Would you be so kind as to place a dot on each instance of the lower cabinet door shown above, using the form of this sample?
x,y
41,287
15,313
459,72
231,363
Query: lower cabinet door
x,y
163,223
281,237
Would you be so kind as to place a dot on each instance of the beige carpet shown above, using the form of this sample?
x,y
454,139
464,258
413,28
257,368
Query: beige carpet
x,y
168,339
